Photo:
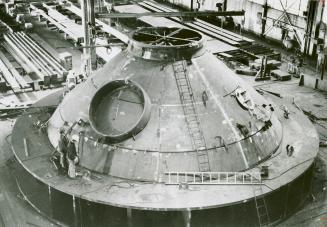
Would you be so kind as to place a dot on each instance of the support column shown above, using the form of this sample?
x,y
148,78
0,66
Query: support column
x,y
50,201
129,217
286,200
264,18
316,27
187,217
311,13
92,31
225,5
76,216
88,22
323,68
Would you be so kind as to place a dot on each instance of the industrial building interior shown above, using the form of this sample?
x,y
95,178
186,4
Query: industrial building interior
x,y
195,113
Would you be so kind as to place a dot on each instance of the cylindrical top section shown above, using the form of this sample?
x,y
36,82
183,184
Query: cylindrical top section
x,y
164,43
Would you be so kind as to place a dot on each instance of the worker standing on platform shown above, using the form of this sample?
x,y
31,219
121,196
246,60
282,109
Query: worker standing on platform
x,y
62,148
72,158
58,158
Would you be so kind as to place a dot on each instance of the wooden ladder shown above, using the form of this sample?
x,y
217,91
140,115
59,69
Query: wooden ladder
x,y
191,116
261,206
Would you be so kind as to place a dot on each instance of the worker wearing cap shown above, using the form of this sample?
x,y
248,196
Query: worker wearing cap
x,y
72,158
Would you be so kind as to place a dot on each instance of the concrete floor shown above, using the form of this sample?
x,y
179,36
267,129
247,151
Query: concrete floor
x,y
14,211
314,211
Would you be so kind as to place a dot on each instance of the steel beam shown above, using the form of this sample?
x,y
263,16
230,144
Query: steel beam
x,y
88,22
290,22
95,46
170,14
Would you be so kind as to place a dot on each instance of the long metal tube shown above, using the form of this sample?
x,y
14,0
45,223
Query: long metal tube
x,y
33,54
171,14
88,21
46,55
23,51
27,59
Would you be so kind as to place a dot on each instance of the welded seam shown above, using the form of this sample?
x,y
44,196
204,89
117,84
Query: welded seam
x,y
205,81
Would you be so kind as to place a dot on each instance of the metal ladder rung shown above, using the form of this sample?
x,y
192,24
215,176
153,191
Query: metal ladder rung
x,y
198,135
186,98
190,111
203,159
202,155
261,207
259,204
198,141
195,131
203,163
192,120
193,123
188,107
181,76
191,115
184,85
186,92
187,103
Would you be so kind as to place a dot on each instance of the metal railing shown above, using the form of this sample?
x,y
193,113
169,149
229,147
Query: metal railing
x,y
214,178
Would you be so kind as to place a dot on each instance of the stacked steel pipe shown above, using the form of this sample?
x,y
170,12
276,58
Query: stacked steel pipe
x,y
46,67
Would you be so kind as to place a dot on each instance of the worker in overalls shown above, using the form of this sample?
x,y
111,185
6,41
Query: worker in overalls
x,y
58,158
72,158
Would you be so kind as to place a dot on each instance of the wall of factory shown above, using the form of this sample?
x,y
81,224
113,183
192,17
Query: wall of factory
x,y
277,25
324,17
252,21
202,5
